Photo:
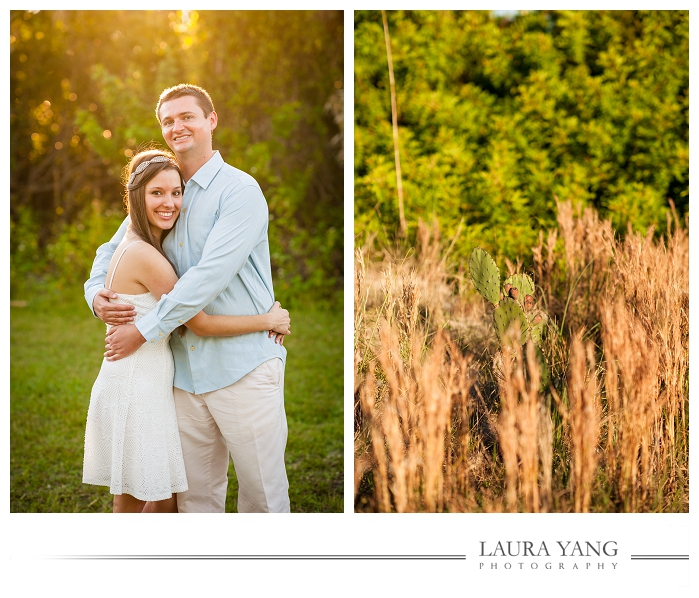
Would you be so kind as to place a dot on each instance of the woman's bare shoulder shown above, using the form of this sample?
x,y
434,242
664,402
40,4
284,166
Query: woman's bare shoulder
x,y
145,251
149,268
144,257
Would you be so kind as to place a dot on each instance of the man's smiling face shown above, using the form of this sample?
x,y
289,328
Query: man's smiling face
x,y
185,127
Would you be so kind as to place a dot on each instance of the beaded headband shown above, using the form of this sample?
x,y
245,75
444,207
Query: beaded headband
x,y
142,166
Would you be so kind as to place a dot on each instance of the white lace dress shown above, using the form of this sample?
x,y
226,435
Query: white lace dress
x,y
132,443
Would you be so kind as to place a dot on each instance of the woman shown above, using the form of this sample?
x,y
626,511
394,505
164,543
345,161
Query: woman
x,y
132,442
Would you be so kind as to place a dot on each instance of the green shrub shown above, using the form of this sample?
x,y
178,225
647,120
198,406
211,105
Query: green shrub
x,y
499,116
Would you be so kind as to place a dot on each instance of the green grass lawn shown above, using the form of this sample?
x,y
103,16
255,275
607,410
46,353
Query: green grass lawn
x,y
56,352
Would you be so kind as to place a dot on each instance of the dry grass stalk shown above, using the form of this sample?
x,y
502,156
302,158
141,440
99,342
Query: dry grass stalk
x,y
651,280
654,281
633,402
410,420
360,291
589,245
523,431
406,396
545,434
427,264
426,426
584,417
544,265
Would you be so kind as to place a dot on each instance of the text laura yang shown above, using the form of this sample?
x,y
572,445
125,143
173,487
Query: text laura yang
x,y
562,548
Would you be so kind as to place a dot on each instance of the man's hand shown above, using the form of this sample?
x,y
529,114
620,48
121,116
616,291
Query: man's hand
x,y
278,336
280,323
112,313
279,320
122,341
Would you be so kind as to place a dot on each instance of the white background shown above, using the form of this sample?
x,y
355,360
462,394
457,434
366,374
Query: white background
x,y
34,543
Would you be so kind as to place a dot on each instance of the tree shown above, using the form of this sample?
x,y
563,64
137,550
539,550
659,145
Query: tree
x,y
84,85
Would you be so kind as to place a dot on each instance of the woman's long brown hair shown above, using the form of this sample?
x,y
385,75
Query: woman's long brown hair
x,y
135,198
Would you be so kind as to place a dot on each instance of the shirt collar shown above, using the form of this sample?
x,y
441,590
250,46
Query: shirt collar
x,y
208,171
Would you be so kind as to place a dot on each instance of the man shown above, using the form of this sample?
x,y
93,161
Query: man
x,y
229,391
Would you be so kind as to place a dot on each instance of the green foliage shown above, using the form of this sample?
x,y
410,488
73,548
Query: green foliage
x,y
498,116
84,85
25,258
73,250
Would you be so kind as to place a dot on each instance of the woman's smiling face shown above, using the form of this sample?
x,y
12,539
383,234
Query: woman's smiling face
x,y
163,200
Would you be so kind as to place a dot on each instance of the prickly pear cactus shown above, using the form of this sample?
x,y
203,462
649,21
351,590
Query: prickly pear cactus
x,y
513,304
507,315
485,275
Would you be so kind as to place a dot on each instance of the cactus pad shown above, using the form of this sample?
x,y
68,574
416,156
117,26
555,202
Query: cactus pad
x,y
508,314
537,326
485,275
523,283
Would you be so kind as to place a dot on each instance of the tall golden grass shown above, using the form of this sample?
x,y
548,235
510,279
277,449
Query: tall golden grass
x,y
446,420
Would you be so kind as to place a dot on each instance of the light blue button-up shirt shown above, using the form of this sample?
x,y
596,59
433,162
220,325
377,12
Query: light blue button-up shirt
x,y
220,249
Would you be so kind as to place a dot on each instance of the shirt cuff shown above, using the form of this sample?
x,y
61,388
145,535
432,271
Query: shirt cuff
x,y
90,298
153,328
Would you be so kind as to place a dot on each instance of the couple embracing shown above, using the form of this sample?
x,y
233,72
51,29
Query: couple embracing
x,y
199,373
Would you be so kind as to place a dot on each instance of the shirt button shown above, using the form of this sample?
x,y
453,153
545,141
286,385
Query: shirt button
x,y
160,334
180,244
191,348
180,321
183,211
152,340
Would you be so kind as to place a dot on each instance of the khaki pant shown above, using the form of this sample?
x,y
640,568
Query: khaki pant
x,y
248,420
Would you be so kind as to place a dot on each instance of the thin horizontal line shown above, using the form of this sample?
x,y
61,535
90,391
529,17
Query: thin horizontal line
x,y
660,557
633,555
404,557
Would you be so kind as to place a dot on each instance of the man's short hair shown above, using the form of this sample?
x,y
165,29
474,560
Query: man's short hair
x,y
185,89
